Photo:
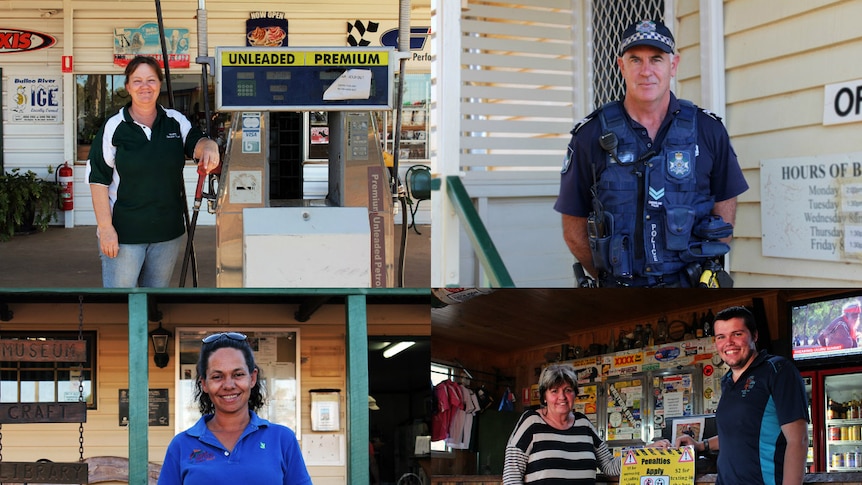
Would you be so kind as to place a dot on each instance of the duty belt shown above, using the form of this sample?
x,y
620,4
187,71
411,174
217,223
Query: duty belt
x,y
665,281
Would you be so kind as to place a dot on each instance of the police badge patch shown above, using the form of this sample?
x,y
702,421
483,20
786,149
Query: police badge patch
x,y
567,161
679,164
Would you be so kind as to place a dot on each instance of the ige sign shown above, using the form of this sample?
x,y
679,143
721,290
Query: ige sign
x,y
842,102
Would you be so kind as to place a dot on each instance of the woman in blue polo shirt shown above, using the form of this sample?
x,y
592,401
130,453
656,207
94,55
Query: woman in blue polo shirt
x,y
231,443
135,174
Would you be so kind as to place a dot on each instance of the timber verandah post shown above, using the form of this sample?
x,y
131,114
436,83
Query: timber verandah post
x,y
138,388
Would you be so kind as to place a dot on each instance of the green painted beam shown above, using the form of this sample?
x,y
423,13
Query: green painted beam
x,y
482,243
357,390
138,388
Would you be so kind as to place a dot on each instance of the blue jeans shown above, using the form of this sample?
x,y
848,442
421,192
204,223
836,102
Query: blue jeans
x,y
141,265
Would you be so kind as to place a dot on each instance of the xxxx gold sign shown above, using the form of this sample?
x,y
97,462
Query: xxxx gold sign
x,y
630,359
43,350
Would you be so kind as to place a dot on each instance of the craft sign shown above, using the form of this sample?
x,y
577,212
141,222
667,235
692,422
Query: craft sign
x,y
43,472
653,466
13,350
43,412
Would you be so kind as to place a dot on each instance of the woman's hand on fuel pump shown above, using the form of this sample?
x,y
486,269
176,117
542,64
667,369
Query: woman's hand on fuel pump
x,y
207,155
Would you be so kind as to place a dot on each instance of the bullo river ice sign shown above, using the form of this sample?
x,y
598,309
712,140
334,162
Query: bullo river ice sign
x,y
652,466
811,207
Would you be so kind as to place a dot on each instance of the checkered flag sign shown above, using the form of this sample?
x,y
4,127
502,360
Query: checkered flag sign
x,y
357,29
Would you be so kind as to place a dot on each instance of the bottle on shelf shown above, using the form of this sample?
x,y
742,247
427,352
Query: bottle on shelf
x,y
707,323
649,338
695,330
638,341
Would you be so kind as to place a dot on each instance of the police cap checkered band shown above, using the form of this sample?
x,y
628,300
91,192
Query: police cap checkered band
x,y
647,32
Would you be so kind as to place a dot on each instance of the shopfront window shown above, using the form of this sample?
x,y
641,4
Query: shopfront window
x,y
24,381
98,96
276,354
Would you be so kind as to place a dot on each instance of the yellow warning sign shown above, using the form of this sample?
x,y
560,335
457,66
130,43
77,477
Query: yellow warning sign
x,y
653,466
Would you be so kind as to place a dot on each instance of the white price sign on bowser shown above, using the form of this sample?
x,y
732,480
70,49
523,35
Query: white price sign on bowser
x,y
653,466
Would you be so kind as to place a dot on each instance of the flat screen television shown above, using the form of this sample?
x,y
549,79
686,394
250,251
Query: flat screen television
x,y
827,328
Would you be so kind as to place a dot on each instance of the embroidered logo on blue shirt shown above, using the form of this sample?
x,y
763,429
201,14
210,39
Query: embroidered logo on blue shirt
x,y
749,385
262,445
199,456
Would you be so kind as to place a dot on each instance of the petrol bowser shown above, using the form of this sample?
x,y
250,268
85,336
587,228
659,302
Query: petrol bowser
x,y
345,239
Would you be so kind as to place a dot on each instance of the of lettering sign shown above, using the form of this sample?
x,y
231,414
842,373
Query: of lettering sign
x,y
842,102
652,466
43,472
43,412
13,350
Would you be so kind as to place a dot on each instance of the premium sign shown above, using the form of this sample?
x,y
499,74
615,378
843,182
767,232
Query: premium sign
x,y
43,472
43,350
43,412
14,40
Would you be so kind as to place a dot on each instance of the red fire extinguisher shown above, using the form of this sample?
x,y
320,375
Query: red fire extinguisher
x,y
66,191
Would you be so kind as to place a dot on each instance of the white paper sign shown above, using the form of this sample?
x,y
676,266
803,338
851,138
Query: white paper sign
x,y
351,84
811,207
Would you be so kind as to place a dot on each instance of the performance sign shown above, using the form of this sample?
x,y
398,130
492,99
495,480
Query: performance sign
x,y
652,466
300,79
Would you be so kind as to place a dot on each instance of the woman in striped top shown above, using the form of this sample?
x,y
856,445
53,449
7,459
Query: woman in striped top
x,y
553,444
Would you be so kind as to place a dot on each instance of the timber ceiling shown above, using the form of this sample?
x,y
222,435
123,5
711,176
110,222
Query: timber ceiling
x,y
515,319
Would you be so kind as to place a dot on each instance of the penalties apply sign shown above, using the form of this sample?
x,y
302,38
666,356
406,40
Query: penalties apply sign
x,y
652,466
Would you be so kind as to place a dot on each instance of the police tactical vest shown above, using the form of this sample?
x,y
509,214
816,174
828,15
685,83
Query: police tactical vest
x,y
652,197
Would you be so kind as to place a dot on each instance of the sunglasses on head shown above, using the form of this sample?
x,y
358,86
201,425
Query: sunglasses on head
x,y
216,336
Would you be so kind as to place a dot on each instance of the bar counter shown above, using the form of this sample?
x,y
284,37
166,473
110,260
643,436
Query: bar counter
x,y
837,478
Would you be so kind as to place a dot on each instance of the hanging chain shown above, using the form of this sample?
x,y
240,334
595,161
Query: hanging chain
x,y
81,378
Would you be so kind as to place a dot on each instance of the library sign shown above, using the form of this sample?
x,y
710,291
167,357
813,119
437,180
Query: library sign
x,y
811,207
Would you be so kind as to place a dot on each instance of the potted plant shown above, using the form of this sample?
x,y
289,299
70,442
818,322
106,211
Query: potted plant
x,y
27,203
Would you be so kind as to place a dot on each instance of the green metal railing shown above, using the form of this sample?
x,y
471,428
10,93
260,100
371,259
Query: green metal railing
x,y
481,241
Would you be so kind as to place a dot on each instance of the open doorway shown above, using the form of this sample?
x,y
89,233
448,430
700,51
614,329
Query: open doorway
x,y
401,390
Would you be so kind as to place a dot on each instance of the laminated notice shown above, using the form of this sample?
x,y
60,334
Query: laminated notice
x,y
351,84
654,466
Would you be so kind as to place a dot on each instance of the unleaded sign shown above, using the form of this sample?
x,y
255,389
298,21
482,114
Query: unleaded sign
x,y
304,79
43,350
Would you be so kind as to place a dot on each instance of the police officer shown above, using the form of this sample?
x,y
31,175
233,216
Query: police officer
x,y
649,185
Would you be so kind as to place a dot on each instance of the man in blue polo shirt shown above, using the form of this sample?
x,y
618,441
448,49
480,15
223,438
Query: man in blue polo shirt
x,y
762,417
